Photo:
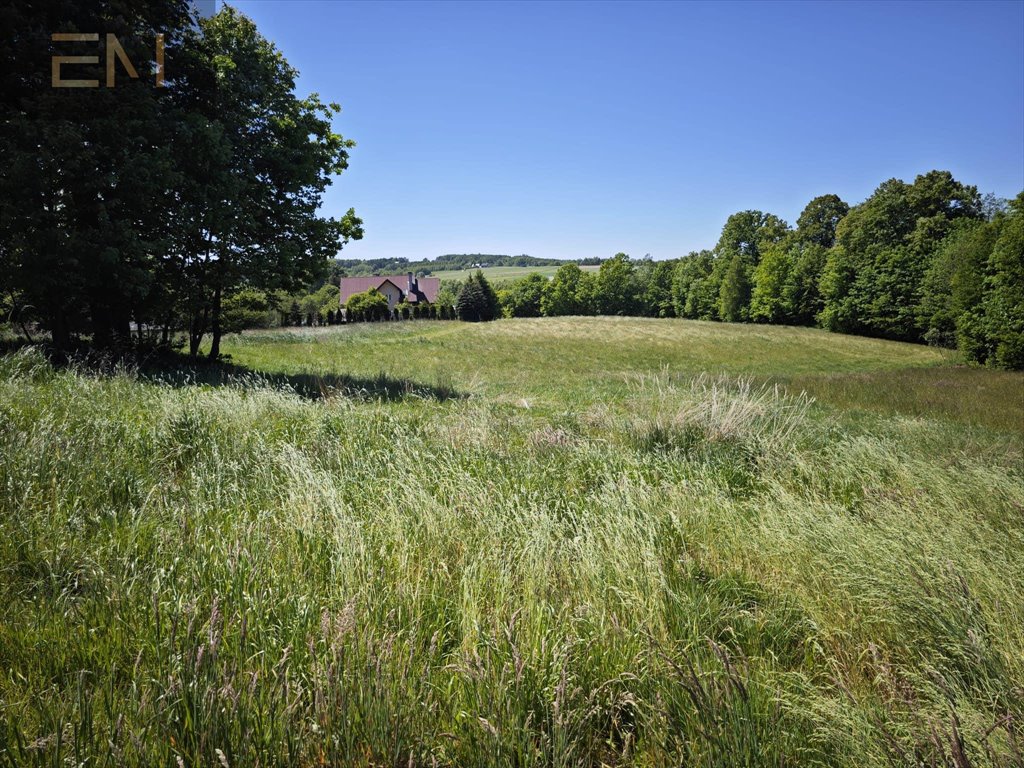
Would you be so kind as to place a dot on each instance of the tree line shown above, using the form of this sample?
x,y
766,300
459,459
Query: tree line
x,y
448,262
138,210
930,261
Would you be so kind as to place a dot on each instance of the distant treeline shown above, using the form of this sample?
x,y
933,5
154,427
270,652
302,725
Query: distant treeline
x,y
446,263
932,261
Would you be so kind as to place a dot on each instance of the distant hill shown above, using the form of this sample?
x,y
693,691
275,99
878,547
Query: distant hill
x,y
450,262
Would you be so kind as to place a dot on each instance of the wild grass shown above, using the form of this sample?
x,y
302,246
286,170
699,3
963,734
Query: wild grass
x,y
654,568
554,363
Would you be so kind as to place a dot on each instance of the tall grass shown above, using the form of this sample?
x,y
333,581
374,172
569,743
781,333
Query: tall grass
x,y
700,572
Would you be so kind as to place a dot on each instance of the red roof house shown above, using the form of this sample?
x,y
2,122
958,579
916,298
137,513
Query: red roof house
x,y
397,288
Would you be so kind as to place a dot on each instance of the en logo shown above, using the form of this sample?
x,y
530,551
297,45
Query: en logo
x,y
114,48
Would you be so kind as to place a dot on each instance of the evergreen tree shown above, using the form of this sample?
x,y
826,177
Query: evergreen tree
x,y
477,301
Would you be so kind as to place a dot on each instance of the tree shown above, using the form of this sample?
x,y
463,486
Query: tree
x,y
768,300
953,284
447,295
617,287
818,221
148,204
370,305
566,293
253,212
802,290
693,294
88,177
476,301
872,281
246,308
744,238
522,298
995,332
734,295
654,283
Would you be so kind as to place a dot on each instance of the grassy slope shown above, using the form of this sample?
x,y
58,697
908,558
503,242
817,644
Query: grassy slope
x,y
647,566
556,362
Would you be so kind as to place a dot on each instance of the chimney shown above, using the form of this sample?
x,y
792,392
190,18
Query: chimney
x,y
411,283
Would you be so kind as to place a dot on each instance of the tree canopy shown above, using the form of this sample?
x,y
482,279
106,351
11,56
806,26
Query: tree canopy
x,y
149,205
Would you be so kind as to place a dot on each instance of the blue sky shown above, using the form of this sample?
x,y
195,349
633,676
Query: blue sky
x,y
579,129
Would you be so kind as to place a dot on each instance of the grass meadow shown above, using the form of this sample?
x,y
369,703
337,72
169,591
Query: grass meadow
x,y
556,542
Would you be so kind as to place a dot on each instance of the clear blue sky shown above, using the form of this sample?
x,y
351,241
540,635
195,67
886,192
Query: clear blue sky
x,y
581,129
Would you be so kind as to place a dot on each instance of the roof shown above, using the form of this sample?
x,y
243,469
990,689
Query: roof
x,y
425,288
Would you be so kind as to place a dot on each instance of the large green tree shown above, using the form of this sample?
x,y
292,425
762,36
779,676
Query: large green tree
x,y
617,286
131,201
786,280
745,237
694,294
254,210
87,187
477,301
872,282
993,331
522,298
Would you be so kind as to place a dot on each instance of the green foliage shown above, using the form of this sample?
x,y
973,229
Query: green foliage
x,y
477,301
874,276
745,237
954,283
994,332
247,308
654,284
617,287
522,298
769,302
151,206
694,293
368,305
570,292
818,221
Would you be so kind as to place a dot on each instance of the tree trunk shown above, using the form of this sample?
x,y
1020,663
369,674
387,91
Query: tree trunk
x,y
59,330
215,330
196,331
102,333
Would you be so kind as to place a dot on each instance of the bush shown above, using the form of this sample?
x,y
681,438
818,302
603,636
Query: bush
x,y
369,305
248,308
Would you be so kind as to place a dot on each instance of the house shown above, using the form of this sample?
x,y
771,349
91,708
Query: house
x,y
395,288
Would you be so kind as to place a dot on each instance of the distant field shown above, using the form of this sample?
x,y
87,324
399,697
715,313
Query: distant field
x,y
495,274
531,543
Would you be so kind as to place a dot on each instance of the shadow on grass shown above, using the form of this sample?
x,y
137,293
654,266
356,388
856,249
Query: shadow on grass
x,y
312,386
177,370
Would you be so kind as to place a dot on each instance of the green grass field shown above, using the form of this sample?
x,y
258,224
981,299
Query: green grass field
x,y
556,542
499,274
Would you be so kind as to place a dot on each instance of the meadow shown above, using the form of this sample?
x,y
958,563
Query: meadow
x,y
553,542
